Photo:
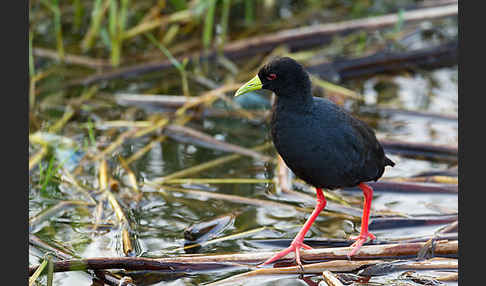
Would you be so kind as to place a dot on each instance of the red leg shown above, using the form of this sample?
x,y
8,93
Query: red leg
x,y
297,243
364,234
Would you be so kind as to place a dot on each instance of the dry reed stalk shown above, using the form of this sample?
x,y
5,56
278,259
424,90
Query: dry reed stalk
x,y
218,181
132,179
335,89
331,279
123,222
144,26
158,124
283,179
168,101
446,276
37,157
123,123
71,59
428,179
61,252
132,133
190,264
62,121
207,97
453,226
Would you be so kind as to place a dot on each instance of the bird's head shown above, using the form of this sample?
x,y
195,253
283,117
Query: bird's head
x,y
284,76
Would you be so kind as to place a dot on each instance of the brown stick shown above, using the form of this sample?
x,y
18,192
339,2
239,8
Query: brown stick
x,y
72,59
199,263
413,221
386,62
336,266
421,150
104,275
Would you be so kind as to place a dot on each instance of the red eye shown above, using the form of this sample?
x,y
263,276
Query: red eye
x,y
271,76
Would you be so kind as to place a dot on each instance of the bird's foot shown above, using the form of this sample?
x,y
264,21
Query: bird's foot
x,y
360,240
294,246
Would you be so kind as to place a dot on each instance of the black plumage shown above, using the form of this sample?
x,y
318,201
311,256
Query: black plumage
x,y
318,140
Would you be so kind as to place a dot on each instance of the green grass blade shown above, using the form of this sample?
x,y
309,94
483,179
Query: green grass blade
x,y
166,52
78,14
249,15
94,29
113,32
37,272
179,4
208,25
224,21
31,56
50,270
58,29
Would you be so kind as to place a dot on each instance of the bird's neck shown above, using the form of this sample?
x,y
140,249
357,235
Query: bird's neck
x,y
296,102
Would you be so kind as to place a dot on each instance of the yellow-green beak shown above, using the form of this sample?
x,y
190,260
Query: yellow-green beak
x,y
253,84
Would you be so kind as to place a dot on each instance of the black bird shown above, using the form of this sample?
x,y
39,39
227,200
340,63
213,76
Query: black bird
x,y
320,142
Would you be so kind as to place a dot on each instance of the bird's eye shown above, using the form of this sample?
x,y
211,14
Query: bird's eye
x,y
271,76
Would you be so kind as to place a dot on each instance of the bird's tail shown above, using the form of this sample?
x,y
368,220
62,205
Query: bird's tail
x,y
389,162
